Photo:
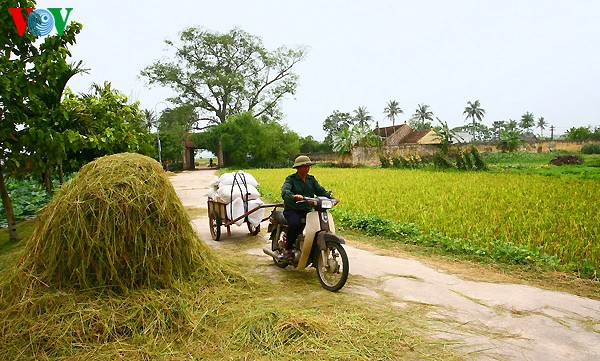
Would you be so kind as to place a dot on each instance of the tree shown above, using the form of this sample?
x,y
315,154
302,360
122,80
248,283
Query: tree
x,y
416,124
174,128
542,125
248,141
347,138
474,110
392,110
362,117
32,76
583,133
510,141
446,134
309,145
497,126
334,123
106,123
527,121
423,114
226,74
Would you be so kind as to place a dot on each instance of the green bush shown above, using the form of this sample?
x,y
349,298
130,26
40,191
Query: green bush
x,y
440,161
591,149
385,163
27,197
478,160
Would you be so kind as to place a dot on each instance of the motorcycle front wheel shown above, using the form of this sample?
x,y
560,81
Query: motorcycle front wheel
x,y
333,270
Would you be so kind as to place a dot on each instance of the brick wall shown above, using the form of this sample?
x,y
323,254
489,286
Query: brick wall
x,y
370,156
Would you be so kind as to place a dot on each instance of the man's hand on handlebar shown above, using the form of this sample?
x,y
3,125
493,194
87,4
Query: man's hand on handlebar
x,y
298,197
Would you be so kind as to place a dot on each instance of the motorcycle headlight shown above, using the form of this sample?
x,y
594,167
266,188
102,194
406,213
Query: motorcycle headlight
x,y
326,203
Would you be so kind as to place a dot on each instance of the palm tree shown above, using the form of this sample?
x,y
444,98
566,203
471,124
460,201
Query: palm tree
x,y
542,125
362,117
422,113
446,134
474,110
392,110
497,126
527,121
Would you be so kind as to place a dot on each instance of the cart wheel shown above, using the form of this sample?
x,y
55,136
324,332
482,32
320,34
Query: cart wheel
x,y
253,230
214,222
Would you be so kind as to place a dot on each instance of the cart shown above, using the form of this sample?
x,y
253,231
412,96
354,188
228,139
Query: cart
x,y
217,217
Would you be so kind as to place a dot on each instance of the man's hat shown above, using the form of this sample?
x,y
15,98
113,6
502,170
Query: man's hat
x,y
301,160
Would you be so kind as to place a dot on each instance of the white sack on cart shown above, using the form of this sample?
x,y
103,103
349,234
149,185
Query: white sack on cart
x,y
212,193
235,209
255,217
229,193
239,177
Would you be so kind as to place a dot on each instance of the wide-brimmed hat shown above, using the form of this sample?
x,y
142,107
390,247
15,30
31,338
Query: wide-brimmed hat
x,y
301,160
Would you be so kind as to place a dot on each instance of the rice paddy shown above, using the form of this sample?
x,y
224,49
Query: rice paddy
x,y
556,216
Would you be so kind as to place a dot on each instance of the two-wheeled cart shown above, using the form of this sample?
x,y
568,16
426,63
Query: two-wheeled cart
x,y
217,217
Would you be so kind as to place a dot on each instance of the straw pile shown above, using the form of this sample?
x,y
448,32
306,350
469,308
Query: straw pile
x,y
118,225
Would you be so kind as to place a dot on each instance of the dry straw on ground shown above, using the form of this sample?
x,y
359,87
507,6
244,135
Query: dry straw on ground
x,y
118,225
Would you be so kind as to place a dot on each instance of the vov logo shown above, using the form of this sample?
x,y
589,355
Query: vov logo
x,y
40,22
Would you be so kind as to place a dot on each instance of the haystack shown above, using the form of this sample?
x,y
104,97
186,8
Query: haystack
x,y
118,225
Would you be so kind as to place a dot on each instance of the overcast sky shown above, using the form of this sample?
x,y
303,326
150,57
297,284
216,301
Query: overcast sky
x,y
513,55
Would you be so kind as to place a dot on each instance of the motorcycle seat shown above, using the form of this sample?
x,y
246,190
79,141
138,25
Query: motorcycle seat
x,y
279,217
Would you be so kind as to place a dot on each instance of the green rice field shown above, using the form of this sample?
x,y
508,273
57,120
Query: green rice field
x,y
557,216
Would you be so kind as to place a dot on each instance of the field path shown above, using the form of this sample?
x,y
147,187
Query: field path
x,y
492,321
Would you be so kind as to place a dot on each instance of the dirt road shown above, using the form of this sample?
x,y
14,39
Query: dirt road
x,y
496,321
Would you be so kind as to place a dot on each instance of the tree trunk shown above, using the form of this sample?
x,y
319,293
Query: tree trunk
x,y
60,173
220,155
8,209
48,180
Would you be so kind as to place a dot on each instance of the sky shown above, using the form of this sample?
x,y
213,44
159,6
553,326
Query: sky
x,y
514,56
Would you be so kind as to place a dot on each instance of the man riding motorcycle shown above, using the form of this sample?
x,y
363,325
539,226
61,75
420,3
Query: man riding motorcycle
x,y
297,186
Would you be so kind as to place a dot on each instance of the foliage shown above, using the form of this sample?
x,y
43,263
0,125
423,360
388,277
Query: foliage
x,y
385,163
221,75
583,133
33,75
417,124
511,217
310,145
510,142
474,111
105,122
345,140
446,134
527,121
508,253
591,149
334,123
423,114
362,118
441,161
392,110
541,123
248,141
478,160
27,197
174,127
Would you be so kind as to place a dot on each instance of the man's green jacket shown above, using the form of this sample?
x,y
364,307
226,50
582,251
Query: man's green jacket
x,y
295,185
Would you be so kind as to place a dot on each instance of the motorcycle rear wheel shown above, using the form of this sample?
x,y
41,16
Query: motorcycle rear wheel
x,y
333,273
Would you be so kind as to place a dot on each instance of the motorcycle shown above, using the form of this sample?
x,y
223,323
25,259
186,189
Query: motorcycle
x,y
318,245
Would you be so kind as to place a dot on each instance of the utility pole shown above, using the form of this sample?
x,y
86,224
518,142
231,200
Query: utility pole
x,y
552,132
